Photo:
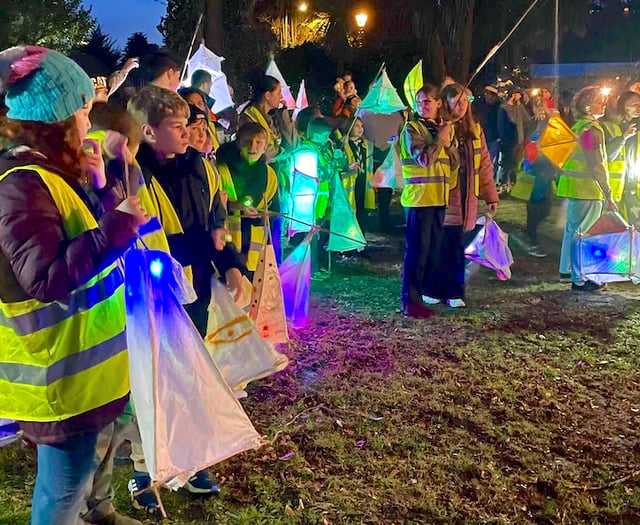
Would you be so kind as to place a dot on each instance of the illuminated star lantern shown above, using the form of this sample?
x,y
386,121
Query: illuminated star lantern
x,y
555,141
609,251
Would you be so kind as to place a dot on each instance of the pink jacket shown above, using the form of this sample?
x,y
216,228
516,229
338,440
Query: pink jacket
x,y
467,219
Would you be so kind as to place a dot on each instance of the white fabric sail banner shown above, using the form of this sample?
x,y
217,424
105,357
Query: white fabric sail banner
x,y
207,60
301,101
274,71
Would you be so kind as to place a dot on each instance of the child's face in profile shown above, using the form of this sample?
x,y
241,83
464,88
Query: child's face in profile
x,y
170,136
198,135
251,149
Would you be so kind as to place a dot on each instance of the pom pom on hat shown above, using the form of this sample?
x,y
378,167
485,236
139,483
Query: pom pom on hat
x,y
42,85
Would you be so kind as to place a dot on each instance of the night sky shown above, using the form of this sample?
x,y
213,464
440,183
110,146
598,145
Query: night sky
x,y
120,18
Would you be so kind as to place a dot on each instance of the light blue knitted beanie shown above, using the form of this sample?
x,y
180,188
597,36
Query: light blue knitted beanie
x,y
42,85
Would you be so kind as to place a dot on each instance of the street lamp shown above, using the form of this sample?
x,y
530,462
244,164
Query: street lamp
x,y
361,20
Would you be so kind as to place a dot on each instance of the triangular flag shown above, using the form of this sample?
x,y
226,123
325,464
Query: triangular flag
x,y
295,275
382,97
172,369
274,71
343,222
301,101
389,171
267,307
412,85
240,352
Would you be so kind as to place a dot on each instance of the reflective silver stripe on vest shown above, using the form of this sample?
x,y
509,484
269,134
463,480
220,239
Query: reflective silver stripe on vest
x,y
425,180
54,313
578,175
65,367
255,246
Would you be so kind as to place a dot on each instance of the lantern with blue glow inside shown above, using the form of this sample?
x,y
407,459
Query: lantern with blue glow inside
x,y
304,191
609,251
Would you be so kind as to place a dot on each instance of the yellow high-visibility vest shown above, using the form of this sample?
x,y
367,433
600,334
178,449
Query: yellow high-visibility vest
x,y
576,180
424,187
477,158
166,212
156,240
66,357
349,182
615,166
234,220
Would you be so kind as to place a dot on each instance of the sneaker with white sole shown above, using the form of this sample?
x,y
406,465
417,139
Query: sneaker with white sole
x,y
534,251
201,483
430,300
142,500
456,303
565,278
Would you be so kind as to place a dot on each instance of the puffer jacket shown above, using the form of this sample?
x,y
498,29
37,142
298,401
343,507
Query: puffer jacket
x,y
465,214
36,261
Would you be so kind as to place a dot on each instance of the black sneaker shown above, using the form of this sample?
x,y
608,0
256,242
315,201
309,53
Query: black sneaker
x,y
589,286
565,277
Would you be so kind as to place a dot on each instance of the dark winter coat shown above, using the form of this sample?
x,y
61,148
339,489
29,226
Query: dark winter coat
x,y
37,261
185,182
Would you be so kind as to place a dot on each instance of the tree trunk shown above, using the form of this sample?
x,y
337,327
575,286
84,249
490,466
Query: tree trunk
x,y
214,28
465,46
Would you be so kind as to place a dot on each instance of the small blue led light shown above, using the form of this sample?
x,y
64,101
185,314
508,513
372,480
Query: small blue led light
x,y
156,267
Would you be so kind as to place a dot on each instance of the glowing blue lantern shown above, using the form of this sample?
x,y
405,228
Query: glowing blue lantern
x,y
304,190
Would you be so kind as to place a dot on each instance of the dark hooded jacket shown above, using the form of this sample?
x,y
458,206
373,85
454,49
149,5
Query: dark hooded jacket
x,y
184,180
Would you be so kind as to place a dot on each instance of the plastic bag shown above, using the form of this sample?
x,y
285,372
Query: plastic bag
x,y
490,248
236,345
188,416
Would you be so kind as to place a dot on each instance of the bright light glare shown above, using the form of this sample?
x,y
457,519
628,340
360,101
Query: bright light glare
x,y
303,7
535,92
361,19
156,267
606,91
306,162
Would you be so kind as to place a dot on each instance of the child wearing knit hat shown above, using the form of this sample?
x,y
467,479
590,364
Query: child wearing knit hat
x,y
62,345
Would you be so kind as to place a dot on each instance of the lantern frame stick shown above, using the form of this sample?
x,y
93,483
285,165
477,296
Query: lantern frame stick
x,y
497,47
312,226
193,41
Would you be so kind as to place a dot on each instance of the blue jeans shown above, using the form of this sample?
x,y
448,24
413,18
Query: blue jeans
x,y
63,470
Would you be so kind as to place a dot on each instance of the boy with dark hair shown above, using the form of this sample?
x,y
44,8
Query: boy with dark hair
x,y
202,80
189,208
243,162
161,69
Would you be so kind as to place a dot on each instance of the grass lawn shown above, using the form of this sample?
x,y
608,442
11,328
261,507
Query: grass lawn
x,y
522,408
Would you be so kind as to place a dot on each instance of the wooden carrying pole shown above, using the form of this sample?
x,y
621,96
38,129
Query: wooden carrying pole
x,y
193,40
